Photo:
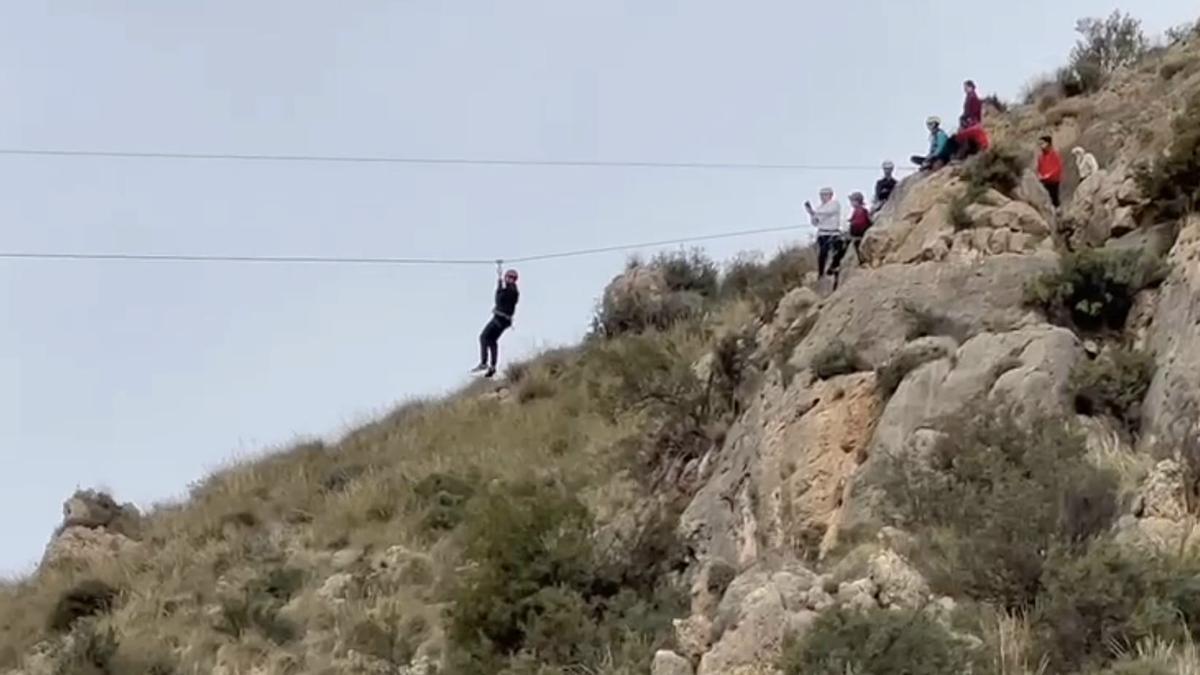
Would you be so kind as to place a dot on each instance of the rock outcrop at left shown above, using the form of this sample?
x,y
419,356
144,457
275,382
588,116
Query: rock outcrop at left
x,y
94,528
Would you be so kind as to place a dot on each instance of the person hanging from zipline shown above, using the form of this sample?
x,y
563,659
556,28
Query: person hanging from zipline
x,y
503,311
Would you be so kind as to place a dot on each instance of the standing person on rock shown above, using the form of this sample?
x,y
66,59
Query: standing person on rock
x,y
860,222
827,218
884,187
1085,162
504,310
1050,168
973,105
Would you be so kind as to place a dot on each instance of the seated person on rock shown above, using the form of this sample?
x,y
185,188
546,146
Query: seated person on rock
x,y
940,147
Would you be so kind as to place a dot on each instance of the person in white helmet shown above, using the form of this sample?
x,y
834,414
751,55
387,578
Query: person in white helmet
x,y
939,146
884,186
827,218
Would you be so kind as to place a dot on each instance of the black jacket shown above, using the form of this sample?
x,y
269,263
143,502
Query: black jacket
x,y
883,189
506,300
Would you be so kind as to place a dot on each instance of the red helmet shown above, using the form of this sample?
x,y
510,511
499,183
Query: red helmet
x,y
511,275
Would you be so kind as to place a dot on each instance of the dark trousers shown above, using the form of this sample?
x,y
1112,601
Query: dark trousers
x,y
1053,189
489,340
828,247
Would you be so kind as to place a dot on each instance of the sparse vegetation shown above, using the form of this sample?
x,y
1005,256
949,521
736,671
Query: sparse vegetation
x,y
1113,384
999,168
880,642
995,496
1094,289
1172,183
1104,46
86,599
765,284
837,358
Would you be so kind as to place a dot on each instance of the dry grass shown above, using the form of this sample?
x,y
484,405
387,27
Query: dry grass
x,y
292,509
1009,643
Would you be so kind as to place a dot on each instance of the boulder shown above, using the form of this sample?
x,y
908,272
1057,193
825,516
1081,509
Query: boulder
x,y
82,547
756,636
1101,208
899,584
670,663
879,312
1162,493
92,509
1171,411
1026,368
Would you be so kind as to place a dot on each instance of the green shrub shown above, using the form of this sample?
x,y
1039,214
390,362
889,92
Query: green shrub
x,y
686,271
1172,183
444,498
1116,383
535,588
1001,168
993,497
1104,46
87,598
837,358
1095,288
879,642
766,284
1110,596
257,606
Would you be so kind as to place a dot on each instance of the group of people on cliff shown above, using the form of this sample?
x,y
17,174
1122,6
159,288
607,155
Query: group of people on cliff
x,y
835,237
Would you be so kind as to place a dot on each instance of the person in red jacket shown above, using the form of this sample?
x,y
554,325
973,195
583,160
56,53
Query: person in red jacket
x,y
972,106
971,139
1050,168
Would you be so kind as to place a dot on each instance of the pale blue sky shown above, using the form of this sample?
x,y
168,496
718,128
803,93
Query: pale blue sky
x,y
144,377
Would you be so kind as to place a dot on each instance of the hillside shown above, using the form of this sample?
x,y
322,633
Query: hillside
x,y
980,453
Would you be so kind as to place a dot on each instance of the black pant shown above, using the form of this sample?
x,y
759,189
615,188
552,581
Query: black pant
x,y
828,246
489,340
1052,188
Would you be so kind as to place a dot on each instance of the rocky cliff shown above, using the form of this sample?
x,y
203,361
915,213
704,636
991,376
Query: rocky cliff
x,y
980,453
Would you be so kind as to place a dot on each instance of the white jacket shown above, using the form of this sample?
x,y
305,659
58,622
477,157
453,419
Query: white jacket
x,y
1087,165
827,218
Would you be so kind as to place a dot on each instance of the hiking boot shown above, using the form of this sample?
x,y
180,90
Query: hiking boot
x,y
491,372
479,368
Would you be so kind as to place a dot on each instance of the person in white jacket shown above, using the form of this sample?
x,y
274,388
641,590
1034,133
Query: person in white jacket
x,y
827,218
1085,162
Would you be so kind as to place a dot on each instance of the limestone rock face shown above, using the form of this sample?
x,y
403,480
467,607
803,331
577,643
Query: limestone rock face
x,y
918,225
1101,208
1026,368
1171,412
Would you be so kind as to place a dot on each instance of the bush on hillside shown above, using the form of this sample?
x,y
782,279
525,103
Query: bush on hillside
x,y
1113,596
257,606
1001,168
877,641
87,598
1104,46
1114,384
686,271
443,498
534,586
1172,183
837,358
993,497
1094,289
765,284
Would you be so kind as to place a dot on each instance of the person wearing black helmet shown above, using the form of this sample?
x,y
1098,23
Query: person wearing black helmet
x,y
504,310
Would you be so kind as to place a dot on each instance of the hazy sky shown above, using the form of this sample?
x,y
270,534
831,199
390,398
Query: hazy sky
x,y
142,377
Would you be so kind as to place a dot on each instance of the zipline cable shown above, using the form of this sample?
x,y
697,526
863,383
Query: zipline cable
x,y
274,259
449,161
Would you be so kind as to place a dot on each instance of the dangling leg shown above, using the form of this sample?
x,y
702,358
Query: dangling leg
x,y
485,339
